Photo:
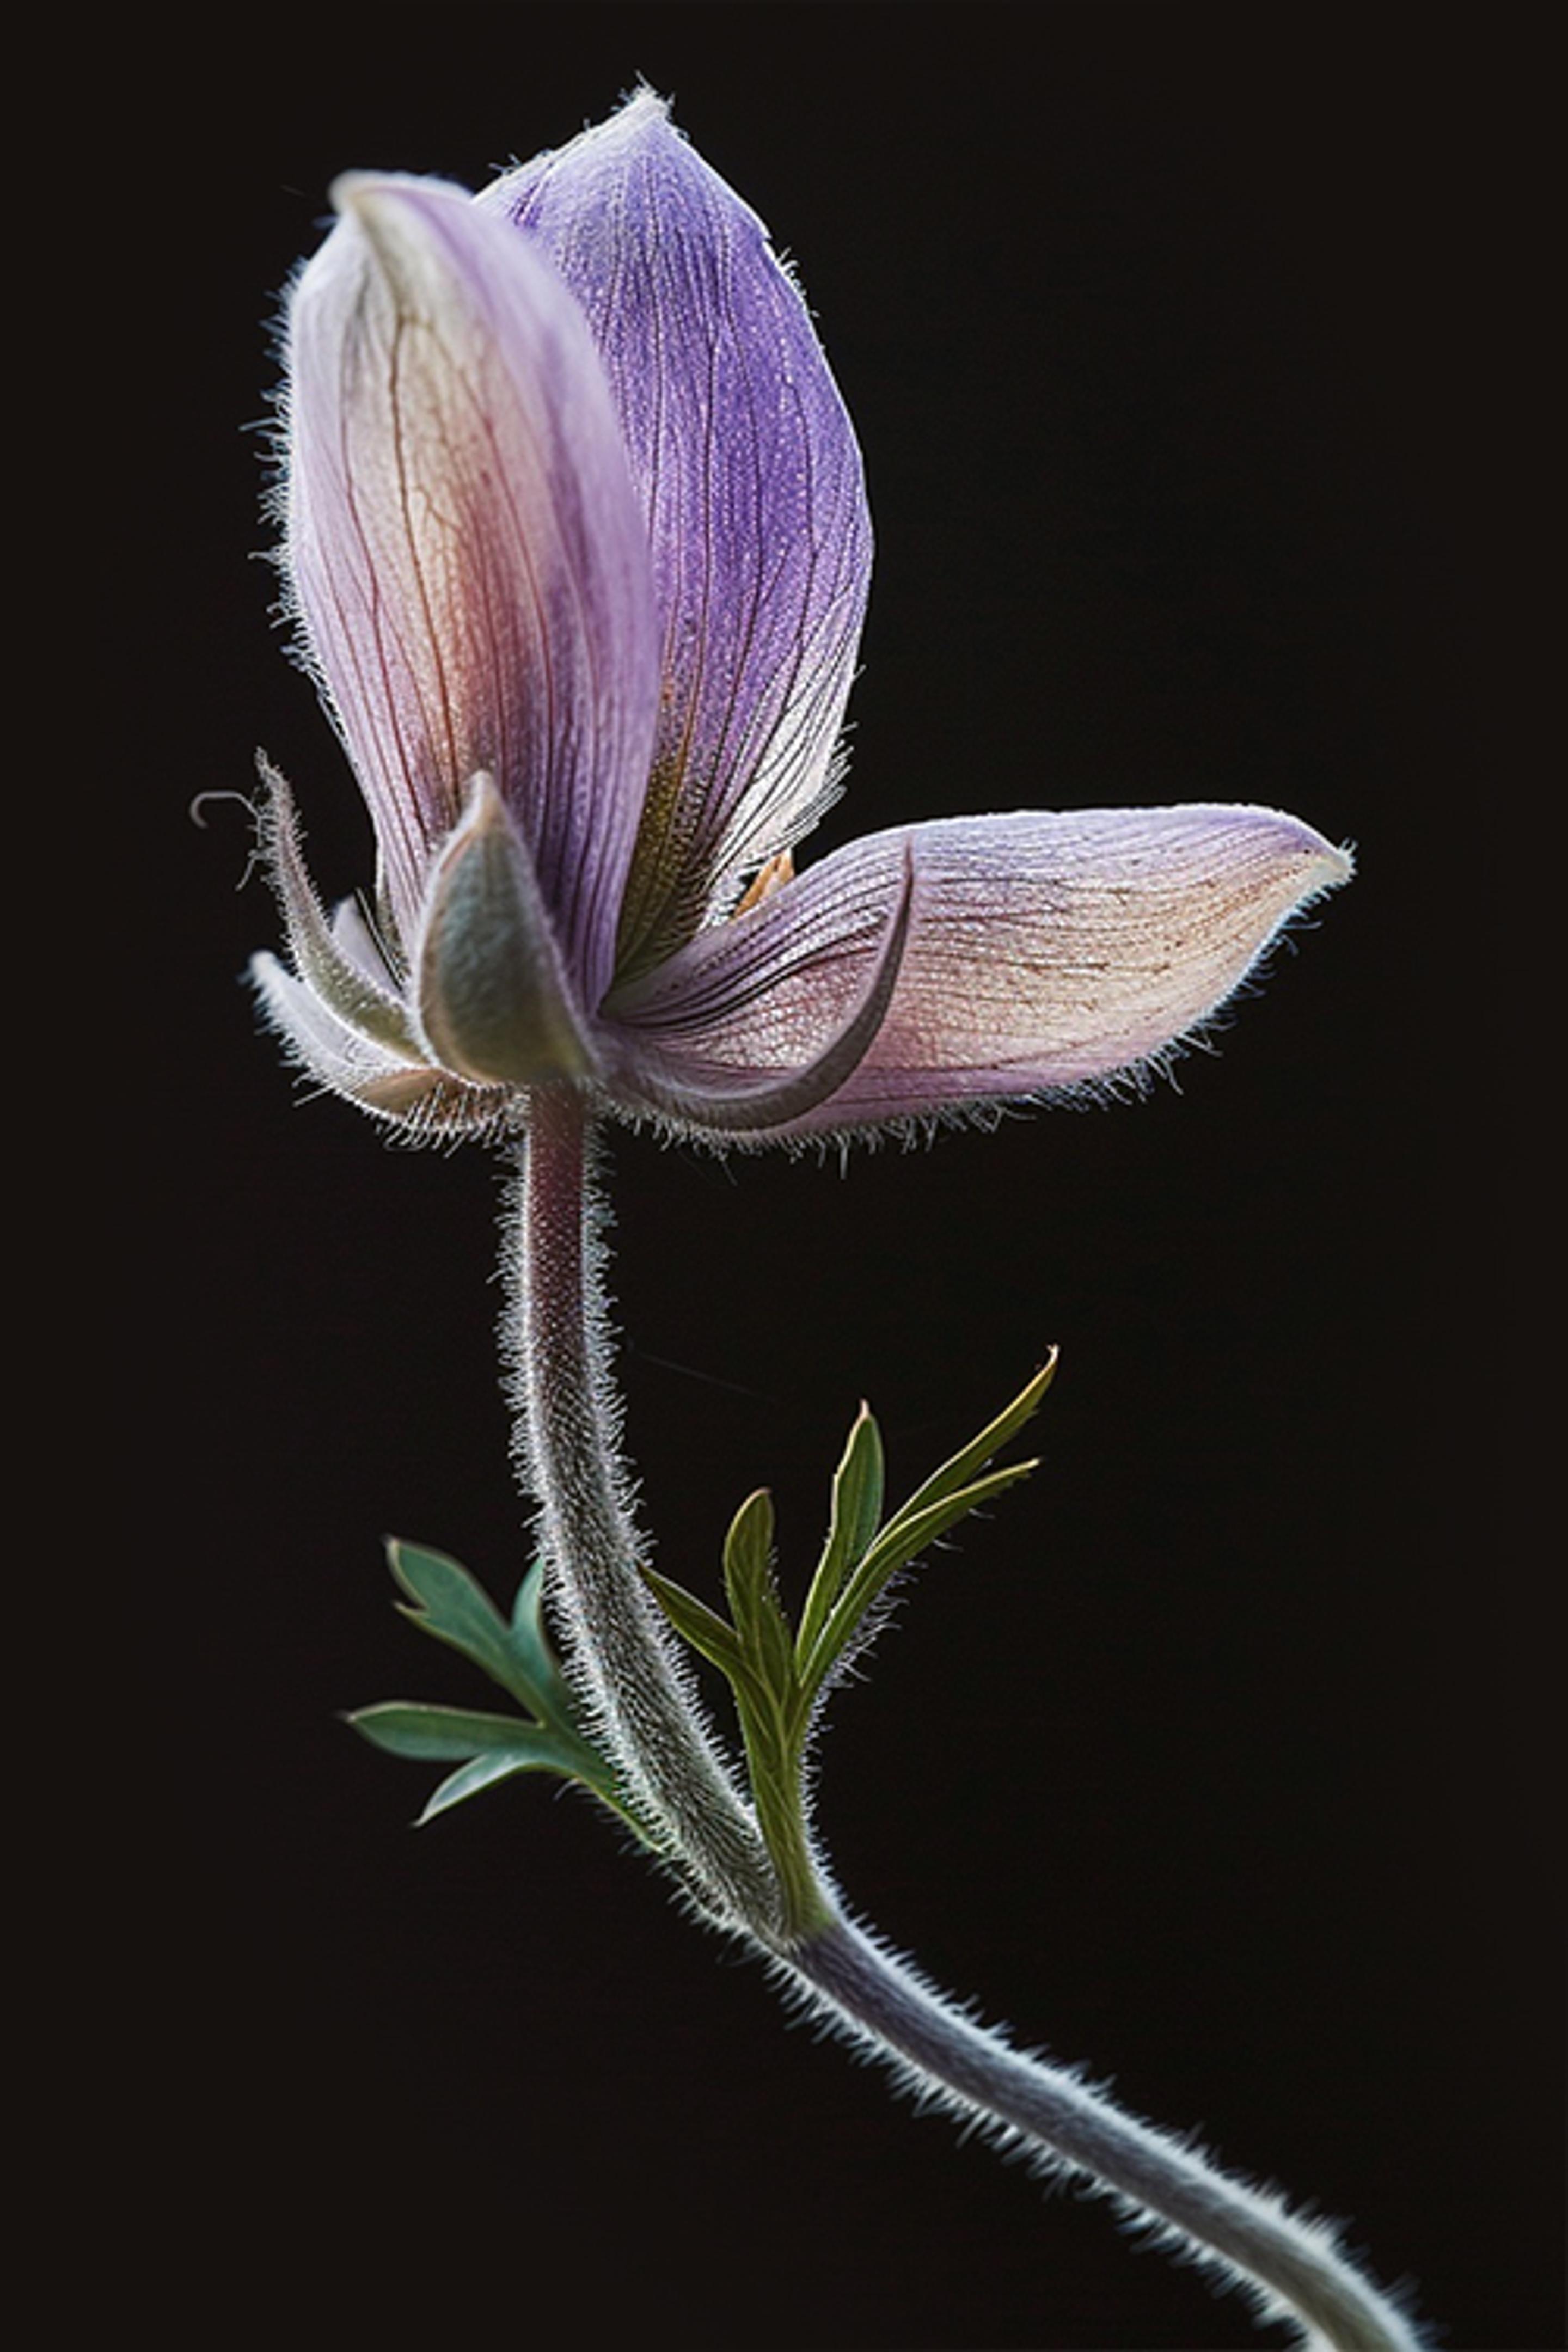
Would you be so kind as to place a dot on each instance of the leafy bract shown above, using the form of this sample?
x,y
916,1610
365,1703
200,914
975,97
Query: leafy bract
x,y
779,1679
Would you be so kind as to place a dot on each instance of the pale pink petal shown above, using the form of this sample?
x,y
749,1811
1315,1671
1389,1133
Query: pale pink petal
x,y
1045,953
465,548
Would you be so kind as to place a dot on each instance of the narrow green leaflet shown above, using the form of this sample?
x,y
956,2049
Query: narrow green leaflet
x,y
451,1606
961,1470
857,1566
768,1700
753,1597
489,1748
434,1734
455,1608
897,1545
528,1641
778,1680
857,1507
697,1623
471,1778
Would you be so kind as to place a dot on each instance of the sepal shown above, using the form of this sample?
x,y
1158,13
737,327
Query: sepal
x,y
340,961
494,998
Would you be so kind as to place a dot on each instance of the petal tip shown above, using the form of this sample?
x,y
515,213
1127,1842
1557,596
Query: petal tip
x,y
1301,858
1336,864
357,190
365,199
349,189
642,110
1325,868
1330,866
1339,866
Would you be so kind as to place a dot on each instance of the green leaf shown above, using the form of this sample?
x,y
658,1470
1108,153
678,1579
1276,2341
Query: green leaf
x,y
434,1734
538,1755
456,1609
747,1550
452,1606
897,1545
946,1497
775,1679
527,1639
962,1468
857,1507
701,1626
754,1599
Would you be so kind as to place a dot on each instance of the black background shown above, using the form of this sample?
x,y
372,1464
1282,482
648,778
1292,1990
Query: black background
x,y
1208,1760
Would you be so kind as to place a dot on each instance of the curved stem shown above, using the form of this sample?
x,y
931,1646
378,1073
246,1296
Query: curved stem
x,y
645,1714
1293,2268
621,1657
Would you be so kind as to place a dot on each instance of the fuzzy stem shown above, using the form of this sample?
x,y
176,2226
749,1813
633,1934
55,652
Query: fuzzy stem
x,y
1293,2268
622,1655
645,1713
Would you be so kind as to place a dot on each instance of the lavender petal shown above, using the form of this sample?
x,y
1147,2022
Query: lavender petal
x,y
763,1104
747,468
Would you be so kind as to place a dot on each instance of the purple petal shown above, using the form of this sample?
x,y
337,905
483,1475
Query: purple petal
x,y
465,548
765,1102
749,473
1043,953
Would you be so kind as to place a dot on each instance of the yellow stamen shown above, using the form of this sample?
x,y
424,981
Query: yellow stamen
x,y
773,876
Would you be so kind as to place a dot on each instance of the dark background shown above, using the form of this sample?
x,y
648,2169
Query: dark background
x,y
1209,1761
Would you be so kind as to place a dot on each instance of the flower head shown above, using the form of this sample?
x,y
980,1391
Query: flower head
x,y
575,532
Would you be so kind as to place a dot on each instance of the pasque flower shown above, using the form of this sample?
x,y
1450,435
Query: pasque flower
x,y
575,533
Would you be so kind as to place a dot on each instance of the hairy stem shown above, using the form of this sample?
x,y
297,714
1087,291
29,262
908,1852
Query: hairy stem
x,y
645,1712
1293,2268
636,1686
